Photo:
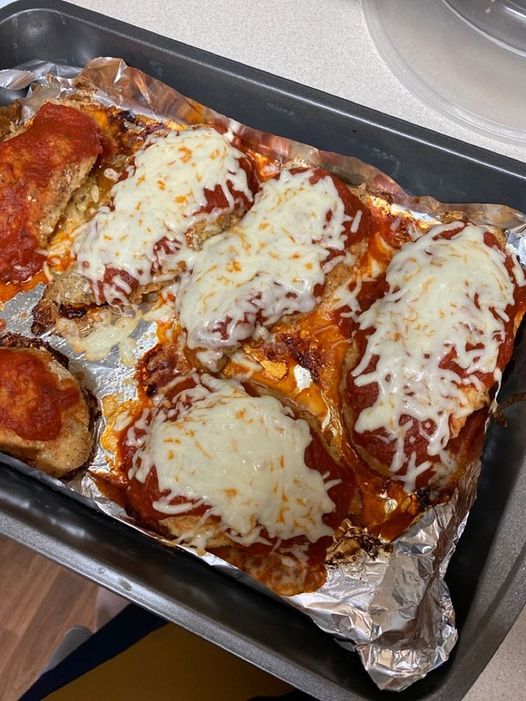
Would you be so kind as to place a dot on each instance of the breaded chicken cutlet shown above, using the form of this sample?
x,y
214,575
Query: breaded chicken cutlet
x,y
41,166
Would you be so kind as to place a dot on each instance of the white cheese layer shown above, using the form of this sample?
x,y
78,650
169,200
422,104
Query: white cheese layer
x,y
161,198
240,455
265,267
444,295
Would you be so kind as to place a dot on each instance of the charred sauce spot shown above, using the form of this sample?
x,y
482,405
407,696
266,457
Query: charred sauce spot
x,y
69,311
304,353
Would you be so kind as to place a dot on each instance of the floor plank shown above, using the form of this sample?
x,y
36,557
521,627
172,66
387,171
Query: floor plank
x,y
39,601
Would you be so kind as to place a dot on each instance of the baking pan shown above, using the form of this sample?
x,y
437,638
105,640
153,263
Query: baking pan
x,y
487,574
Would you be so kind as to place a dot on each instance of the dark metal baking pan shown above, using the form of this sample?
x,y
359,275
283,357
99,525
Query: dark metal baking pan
x,y
486,575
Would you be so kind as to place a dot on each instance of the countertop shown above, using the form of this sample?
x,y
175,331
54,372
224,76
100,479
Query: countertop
x,y
325,45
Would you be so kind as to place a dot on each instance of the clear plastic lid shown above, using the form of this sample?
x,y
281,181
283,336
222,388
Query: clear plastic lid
x,y
465,58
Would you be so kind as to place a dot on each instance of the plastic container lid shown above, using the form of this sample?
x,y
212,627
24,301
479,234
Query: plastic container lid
x,y
464,58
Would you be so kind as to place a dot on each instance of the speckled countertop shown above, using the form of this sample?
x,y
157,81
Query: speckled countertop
x,y
325,45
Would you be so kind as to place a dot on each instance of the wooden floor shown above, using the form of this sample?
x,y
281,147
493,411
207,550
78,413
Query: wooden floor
x,y
39,601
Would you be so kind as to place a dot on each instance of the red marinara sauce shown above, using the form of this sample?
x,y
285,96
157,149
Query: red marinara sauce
x,y
32,398
216,199
58,139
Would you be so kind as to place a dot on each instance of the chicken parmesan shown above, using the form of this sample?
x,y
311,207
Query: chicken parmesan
x,y
45,416
41,166
182,187
214,466
428,354
272,264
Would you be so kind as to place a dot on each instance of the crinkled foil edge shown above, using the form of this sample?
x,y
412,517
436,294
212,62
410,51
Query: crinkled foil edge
x,y
394,608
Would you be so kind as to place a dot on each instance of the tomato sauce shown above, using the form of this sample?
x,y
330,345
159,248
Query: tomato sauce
x,y
216,198
32,398
110,274
10,289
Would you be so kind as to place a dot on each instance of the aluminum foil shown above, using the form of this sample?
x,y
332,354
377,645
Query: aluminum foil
x,y
393,608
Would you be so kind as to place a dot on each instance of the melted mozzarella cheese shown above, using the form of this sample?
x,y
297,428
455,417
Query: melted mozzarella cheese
x,y
240,455
265,267
444,295
105,334
162,198
344,297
